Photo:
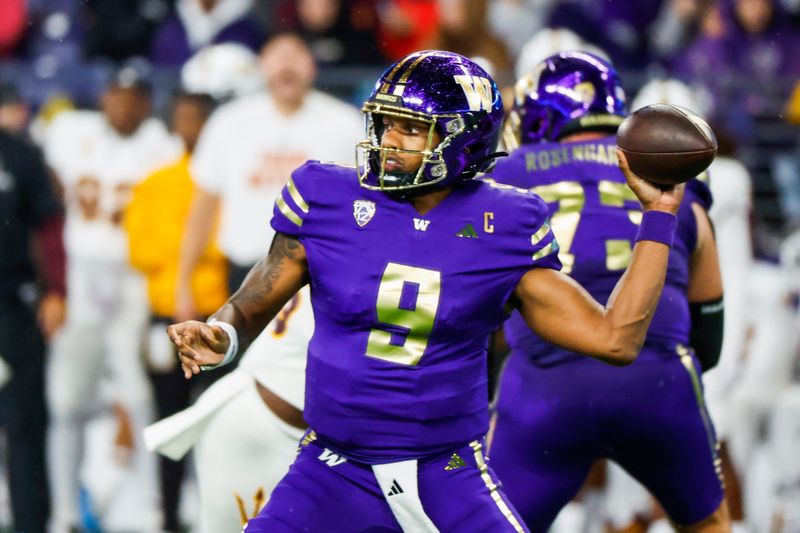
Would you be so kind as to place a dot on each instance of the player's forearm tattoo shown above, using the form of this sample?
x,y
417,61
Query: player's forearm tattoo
x,y
261,295
261,280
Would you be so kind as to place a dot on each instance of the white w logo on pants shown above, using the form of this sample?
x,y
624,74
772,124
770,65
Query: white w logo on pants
x,y
331,458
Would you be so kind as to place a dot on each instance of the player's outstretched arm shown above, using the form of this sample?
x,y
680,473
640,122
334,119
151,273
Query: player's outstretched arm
x,y
268,286
559,310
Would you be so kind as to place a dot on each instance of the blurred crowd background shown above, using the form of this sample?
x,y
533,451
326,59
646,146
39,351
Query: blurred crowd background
x,y
735,62
738,56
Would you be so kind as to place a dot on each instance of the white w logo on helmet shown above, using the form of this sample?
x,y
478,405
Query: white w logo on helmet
x,y
478,91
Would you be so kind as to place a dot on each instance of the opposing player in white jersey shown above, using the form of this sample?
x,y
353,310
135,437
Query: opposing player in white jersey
x,y
98,157
242,449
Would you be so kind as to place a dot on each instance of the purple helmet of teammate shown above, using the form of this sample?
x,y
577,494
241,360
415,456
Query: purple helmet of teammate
x,y
451,94
567,92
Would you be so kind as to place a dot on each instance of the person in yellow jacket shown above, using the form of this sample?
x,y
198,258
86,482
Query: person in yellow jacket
x,y
155,220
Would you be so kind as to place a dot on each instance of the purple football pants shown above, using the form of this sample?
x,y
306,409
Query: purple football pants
x,y
323,492
553,423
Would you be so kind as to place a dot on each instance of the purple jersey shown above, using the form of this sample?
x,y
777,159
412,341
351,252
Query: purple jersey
x,y
403,305
595,217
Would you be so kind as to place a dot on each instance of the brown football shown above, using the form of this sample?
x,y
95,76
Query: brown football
x,y
666,144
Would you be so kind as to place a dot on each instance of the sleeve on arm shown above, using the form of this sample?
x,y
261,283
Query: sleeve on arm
x,y
708,320
700,190
46,216
52,257
293,205
697,192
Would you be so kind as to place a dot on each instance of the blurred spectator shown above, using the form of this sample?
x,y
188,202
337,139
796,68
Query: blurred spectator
x,y
406,26
248,150
767,44
199,23
120,29
514,21
676,25
463,29
745,57
709,63
339,32
14,111
99,157
155,221
12,25
30,220
619,28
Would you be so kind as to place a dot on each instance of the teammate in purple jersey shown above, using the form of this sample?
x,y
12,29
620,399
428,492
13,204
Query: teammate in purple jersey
x,y
558,412
412,263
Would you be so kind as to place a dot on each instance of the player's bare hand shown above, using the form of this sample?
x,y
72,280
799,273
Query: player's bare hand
x,y
653,197
198,344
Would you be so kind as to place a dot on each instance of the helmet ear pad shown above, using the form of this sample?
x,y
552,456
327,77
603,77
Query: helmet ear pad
x,y
536,124
468,155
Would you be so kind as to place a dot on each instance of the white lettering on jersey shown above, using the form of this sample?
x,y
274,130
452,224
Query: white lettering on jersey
x,y
331,458
478,91
421,225
275,167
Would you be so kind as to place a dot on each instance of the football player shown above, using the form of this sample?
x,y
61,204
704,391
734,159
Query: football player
x,y
558,412
412,264
98,157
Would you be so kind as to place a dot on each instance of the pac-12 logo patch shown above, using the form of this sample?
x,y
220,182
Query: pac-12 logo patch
x,y
363,211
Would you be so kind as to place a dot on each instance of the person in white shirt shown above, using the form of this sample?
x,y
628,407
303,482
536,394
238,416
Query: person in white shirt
x,y
98,157
247,151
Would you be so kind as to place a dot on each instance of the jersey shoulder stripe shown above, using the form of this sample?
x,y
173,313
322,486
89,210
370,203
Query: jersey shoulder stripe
x,y
309,185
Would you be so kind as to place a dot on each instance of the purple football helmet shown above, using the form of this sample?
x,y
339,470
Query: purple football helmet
x,y
566,93
452,95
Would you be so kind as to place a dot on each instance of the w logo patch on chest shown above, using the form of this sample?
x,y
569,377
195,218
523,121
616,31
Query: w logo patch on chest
x,y
363,211
421,225
478,91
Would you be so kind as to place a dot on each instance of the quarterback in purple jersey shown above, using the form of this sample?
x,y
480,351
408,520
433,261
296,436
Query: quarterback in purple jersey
x,y
412,264
558,412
